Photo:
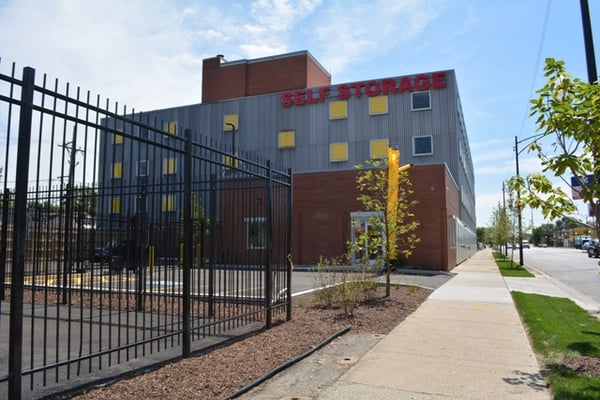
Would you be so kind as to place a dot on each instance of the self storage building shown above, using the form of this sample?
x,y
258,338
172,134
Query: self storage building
x,y
285,109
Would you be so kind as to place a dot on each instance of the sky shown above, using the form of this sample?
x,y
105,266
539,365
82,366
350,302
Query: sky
x,y
148,54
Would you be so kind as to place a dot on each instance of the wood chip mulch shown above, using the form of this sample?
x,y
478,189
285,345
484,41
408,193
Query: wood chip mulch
x,y
224,371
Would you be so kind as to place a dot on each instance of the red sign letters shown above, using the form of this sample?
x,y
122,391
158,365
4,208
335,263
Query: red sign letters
x,y
373,88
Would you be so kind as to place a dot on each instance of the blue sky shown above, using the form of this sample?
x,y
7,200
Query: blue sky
x,y
148,54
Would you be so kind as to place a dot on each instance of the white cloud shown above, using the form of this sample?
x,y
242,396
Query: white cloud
x,y
349,32
137,52
503,169
273,21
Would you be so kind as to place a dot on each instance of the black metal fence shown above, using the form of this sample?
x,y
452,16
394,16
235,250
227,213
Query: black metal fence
x,y
125,239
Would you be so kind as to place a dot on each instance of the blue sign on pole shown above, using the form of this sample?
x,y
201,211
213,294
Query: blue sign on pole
x,y
576,185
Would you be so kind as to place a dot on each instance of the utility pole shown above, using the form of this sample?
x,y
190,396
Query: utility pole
x,y
589,42
71,148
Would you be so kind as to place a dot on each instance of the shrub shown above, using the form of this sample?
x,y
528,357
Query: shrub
x,y
341,286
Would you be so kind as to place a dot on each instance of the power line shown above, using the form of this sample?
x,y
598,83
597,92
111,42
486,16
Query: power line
x,y
537,62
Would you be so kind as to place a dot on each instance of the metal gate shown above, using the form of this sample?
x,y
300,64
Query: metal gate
x,y
126,239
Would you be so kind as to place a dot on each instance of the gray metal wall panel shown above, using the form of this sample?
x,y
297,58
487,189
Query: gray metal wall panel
x,y
262,117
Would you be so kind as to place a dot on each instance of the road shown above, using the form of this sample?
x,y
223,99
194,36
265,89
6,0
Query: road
x,y
570,266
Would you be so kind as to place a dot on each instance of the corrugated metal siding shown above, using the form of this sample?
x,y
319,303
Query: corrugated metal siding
x,y
262,117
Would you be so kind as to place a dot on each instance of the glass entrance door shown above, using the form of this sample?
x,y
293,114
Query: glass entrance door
x,y
361,222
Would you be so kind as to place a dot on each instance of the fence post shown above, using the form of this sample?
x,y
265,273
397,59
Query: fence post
x,y
290,204
142,247
212,238
19,236
68,254
269,247
4,240
188,251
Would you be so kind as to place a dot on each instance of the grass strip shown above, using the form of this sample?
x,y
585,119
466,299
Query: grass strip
x,y
510,268
559,329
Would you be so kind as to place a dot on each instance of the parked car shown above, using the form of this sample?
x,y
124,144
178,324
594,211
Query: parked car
x,y
594,248
581,240
118,247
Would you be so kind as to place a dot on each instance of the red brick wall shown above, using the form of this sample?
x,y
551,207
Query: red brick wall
x,y
314,74
321,220
438,199
223,81
276,75
323,203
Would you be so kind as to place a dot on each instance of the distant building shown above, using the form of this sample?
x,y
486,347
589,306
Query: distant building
x,y
285,109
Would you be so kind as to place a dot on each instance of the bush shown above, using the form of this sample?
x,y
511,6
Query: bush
x,y
341,286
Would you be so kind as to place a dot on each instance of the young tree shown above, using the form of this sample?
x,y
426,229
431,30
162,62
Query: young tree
x,y
544,234
501,226
483,235
200,228
389,196
567,110
85,199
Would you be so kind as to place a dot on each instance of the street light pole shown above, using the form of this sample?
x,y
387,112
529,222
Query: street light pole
x,y
232,136
519,218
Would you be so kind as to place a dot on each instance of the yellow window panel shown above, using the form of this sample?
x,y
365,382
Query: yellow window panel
x,y
168,202
379,148
117,138
230,161
115,206
338,152
338,109
169,166
117,170
171,127
287,139
378,105
230,119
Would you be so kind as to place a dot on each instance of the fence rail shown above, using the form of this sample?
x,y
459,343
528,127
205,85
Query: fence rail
x,y
126,239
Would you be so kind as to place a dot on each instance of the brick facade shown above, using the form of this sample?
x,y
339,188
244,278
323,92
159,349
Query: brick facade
x,y
323,202
222,80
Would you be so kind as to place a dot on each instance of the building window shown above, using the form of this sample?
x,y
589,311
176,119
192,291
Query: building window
x,y
422,145
115,205
171,127
142,168
230,161
420,101
378,105
169,166
117,170
118,137
379,148
338,109
256,233
287,139
229,119
338,152
168,203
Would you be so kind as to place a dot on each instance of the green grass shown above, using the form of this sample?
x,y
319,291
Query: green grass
x,y
559,329
510,268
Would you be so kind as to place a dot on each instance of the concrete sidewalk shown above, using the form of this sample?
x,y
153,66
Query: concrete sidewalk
x,y
465,342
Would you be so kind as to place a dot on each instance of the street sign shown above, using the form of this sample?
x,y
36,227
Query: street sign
x,y
576,186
